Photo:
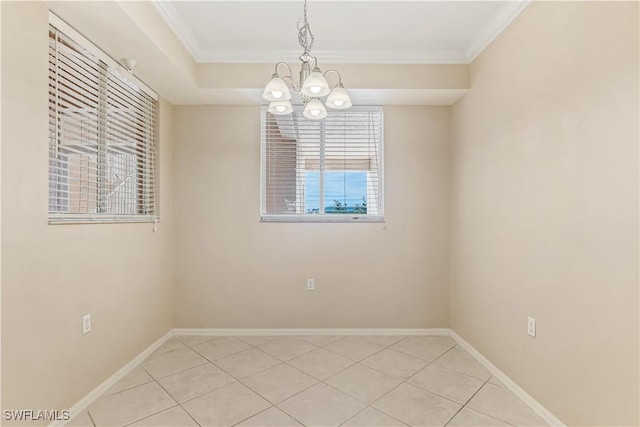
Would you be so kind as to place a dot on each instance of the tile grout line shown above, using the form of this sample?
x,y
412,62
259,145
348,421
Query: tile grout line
x,y
176,400
251,416
153,379
299,355
388,346
126,389
189,414
174,373
388,391
266,409
151,415
236,379
371,407
317,380
165,390
273,367
322,381
155,355
206,361
255,373
103,396
188,400
463,373
485,382
484,413
240,380
405,381
465,404
439,395
210,391
433,362
182,370
288,397
213,338
257,347
223,357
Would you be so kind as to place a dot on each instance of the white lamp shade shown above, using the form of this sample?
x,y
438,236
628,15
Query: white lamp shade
x,y
339,98
315,110
276,90
315,85
280,107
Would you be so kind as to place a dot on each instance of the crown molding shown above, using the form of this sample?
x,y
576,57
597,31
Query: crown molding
x,y
176,22
342,56
511,10
465,55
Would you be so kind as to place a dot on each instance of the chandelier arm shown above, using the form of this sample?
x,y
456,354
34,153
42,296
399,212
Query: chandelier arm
x,y
293,82
286,65
333,71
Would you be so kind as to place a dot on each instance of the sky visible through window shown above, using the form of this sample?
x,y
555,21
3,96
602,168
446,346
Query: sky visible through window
x,y
345,191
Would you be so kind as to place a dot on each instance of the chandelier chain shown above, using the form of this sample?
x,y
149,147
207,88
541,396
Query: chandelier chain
x,y
305,36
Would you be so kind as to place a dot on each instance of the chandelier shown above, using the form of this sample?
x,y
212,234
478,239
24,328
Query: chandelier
x,y
313,85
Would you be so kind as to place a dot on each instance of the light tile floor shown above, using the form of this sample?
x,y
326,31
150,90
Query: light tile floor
x,y
311,381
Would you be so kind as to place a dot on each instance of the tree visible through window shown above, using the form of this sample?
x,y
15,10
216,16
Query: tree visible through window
x,y
344,192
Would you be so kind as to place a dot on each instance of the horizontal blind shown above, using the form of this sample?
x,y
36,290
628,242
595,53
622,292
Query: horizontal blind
x,y
101,138
322,170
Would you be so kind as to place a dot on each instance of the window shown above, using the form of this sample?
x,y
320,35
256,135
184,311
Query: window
x,y
329,170
101,135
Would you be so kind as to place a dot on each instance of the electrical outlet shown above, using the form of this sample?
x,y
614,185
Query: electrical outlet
x,y
86,324
531,326
311,284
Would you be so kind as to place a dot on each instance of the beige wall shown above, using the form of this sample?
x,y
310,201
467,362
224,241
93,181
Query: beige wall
x,y
544,224
52,275
545,208
232,271
0,214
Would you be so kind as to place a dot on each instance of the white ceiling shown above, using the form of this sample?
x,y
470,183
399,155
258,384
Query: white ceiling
x,y
388,52
346,31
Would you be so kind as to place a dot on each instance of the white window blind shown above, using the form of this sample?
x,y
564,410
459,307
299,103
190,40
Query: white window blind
x,y
102,149
328,170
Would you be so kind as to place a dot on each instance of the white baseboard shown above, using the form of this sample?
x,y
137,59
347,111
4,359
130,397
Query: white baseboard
x,y
311,331
547,416
84,403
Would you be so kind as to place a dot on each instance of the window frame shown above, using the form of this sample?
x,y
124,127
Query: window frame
x,y
152,168
323,217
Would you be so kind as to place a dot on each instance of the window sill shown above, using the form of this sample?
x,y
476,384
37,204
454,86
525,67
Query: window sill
x,y
106,219
322,218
